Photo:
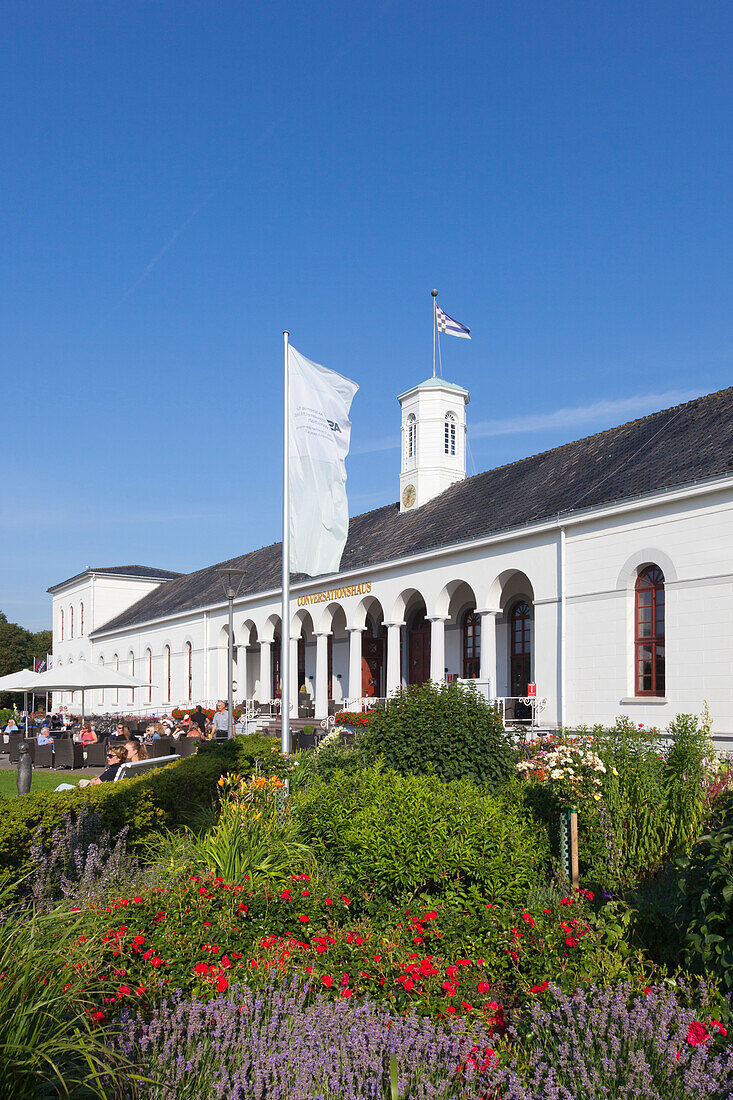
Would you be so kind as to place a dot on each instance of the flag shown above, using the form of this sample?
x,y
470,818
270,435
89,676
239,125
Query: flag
x,y
320,431
448,325
39,665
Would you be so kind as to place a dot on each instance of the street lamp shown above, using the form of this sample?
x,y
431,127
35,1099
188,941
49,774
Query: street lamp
x,y
228,577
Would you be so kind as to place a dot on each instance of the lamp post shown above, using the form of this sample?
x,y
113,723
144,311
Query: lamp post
x,y
228,575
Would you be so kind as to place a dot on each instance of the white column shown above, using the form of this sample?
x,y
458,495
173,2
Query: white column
x,y
394,671
487,670
355,686
321,676
265,672
241,691
437,648
293,674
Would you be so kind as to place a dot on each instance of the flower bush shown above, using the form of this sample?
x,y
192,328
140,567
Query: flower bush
x,y
570,768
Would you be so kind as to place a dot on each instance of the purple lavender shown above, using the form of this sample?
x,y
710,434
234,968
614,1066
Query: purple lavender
x,y
273,1045
608,1043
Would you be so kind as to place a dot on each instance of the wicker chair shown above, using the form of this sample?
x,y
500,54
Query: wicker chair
x,y
96,754
162,746
43,756
69,754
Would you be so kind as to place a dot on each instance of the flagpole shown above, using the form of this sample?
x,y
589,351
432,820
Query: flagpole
x,y
435,323
285,622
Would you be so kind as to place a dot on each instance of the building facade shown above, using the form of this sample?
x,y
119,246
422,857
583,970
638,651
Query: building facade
x,y
601,571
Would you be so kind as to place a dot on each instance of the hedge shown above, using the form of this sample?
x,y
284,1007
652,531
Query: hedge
x,y
158,799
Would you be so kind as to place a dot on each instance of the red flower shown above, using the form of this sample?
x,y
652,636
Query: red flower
x,y
327,981
483,987
138,940
98,1016
540,988
140,990
432,915
285,894
697,1034
225,962
156,962
303,918
530,920
124,989
306,893
448,988
719,1027
571,941
222,984
345,992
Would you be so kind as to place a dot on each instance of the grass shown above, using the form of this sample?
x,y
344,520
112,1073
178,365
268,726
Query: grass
x,y
42,780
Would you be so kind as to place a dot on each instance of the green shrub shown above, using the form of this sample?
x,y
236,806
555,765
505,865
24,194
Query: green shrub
x,y
705,912
446,729
48,1042
390,836
158,799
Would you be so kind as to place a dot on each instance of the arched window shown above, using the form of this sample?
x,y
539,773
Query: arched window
x,y
189,670
167,671
649,632
412,436
520,622
131,663
149,654
101,690
61,624
450,434
71,623
471,645
117,669
81,620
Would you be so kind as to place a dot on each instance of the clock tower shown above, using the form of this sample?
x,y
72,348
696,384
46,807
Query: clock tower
x,y
433,440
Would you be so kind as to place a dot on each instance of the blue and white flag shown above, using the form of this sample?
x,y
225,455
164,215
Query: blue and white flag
x,y
448,325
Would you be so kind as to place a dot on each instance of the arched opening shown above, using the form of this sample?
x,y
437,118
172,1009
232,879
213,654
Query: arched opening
x,y
81,620
649,645
61,624
71,622
418,641
373,653
131,666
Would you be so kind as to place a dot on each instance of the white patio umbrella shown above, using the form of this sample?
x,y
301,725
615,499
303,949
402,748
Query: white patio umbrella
x,y
85,677
24,681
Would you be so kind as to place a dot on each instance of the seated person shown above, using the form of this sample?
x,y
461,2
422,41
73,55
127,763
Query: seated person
x,y
44,736
12,726
179,732
135,750
116,757
121,733
88,735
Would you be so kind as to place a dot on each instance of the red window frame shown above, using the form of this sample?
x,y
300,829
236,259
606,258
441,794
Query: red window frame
x,y
649,632
471,645
520,641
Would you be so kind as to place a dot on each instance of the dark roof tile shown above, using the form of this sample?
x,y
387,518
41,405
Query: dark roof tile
x,y
665,450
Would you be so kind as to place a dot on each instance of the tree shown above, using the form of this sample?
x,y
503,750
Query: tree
x,y
18,647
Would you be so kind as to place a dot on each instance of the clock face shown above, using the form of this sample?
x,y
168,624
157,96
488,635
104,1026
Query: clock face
x,y
408,496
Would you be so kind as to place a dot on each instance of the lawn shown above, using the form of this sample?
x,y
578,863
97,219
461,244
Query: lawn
x,y
42,780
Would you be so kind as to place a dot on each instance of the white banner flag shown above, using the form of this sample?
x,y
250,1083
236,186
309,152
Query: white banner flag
x,y
320,431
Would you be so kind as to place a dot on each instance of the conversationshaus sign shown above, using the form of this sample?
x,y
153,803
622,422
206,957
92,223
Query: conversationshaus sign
x,y
335,594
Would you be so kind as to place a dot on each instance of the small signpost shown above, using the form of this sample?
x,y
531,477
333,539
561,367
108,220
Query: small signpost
x,y
532,690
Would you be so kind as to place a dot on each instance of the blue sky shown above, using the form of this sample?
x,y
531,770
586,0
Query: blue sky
x,y
181,181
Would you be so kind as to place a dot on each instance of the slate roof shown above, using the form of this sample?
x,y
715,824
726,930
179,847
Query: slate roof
x,y
666,450
146,571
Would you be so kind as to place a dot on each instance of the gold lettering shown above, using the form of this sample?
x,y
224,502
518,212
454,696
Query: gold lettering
x,y
335,594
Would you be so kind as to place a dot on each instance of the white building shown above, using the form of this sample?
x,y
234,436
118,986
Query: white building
x,y
601,570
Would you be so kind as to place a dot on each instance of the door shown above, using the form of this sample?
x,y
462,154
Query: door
x,y
419,651
372,654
